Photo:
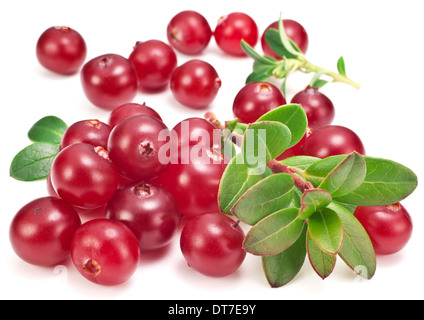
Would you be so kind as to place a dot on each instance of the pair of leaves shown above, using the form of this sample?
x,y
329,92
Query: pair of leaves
x,y
34,162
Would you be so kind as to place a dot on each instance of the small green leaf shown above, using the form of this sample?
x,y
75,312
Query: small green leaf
x,y
280,269
312,201
318,83
323,263
302,162
48,129
34,162
275,233
346,176
272,37
260,74
288,44
320,169
341,66
265,197
326,230
264,60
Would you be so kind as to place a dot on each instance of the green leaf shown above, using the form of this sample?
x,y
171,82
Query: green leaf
x,y
357,250
288,44
260,74
263,142
323,263
346,176
293,116
265,197
318,83
235,181
312,201
320,169
272,37
275,233
280,269
326,230
341,66
302,162
48,129
34,162
264,60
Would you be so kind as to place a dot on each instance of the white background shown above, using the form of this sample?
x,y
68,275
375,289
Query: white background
x,y
381,42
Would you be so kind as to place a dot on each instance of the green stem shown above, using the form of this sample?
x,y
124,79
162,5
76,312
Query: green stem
x,y
337,77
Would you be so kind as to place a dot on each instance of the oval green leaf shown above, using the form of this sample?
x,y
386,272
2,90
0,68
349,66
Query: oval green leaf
x,y
323,263
313,200
49,129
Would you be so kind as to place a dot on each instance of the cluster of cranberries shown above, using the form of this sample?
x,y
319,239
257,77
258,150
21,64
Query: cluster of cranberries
x,y
117,169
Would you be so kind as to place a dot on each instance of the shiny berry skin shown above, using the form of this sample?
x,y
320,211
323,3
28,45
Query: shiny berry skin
x,y
109,81
42,230
194,131
389,227
83,175
211,243
134,147
194,180
154,62
61,50
255,99
233,28
195,84
91,131
318,107
332,140
149,210
105,252
294,30
189,32
294,151
128,110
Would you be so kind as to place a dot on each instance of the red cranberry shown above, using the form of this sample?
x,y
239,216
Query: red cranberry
x,y
211,243
105,252
195,84
92,132
109,81
233,28
294,151
83,175
61,50
134,147
294,30
189,32
389,227
149,210
332,140
42,230
194,131
154,62
255,99
128,110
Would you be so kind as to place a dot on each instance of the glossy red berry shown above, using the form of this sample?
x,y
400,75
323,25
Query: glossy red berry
x,y
255,99
195,84
134,147
389,227
91,131
233,28
189,32
109,81
84,176
294,151
294,30
332,140
194,131
128,110
149,210
42,230
154,62
211,243
61,50
105,252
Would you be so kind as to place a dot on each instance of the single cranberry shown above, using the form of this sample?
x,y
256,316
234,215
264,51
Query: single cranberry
x,y
134,147
233,28
105,251
154,62
84,176
149,210
318,107
212,244
61,50
92,132
194,131
195,84
42,230
128,110
294,30
255,99
332,140
189,32
109,81
389,227
194,180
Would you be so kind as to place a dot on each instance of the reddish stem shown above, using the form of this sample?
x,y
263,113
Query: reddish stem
x,y
277,167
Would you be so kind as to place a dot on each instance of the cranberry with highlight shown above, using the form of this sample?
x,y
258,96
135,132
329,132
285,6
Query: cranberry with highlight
x,y
128,110
92,132
194,131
